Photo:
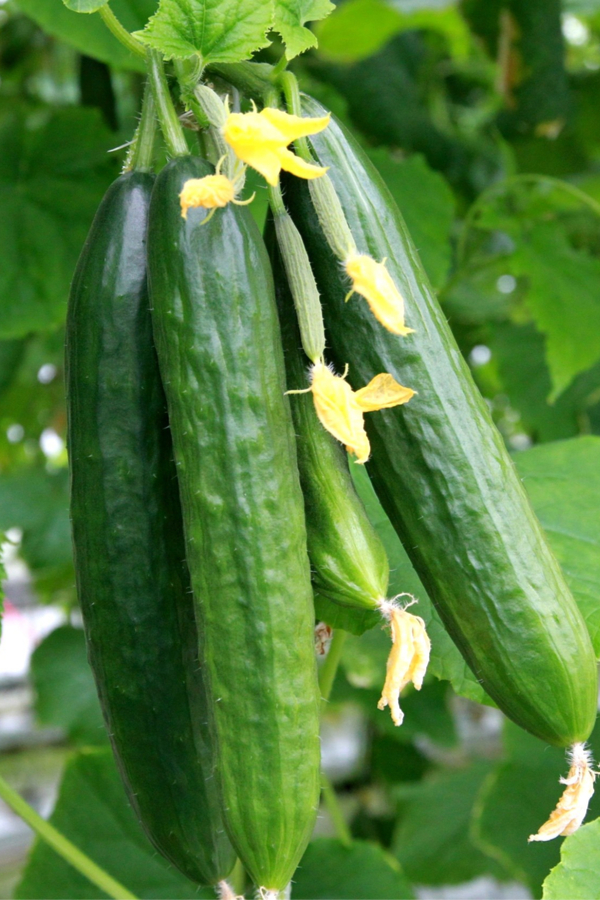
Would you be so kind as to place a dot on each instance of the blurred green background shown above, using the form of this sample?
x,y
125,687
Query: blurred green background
x,y
483,118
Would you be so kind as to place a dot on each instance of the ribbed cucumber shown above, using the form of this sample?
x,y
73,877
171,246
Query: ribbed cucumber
x,y
443,475
132,580
219,348
349,563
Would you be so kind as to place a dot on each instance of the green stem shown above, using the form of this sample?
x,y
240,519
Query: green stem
x,y
169,123
291,91
522,178
251,78
328,670
141,155
279,68
335,811
121,33
69,852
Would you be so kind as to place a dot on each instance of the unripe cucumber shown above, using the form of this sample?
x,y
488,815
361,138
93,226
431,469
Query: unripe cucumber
x,y
442,472
132,580
219,347
349,563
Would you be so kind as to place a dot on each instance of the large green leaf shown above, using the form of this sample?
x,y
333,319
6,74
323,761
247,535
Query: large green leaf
x,y
93,812
89,34
218,31
432,841
52,176
65,694
577,876
357,872
289,21
427,204
563,482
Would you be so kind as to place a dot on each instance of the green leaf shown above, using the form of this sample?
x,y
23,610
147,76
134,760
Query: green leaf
x,y
563,482
427,204
93,812
89,34
85,6
359,28
563,300
224,31
358,872
351,619
65,694
53,173
446,661
432,841
290,17
577,876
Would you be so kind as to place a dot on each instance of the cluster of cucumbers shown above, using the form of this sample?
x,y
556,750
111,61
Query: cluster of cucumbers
x,y
209,508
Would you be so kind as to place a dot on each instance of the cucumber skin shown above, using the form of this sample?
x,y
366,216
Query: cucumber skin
x,y
348,561
219,347
132,580
443,475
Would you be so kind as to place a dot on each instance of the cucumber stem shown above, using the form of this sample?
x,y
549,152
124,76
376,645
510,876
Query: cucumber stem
x,y
251,78
335,811
68,851
141,154
167,117
121,33
329,668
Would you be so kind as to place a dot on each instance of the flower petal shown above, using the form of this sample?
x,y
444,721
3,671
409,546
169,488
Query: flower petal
x,y
570,810
294,127
382,392
209,192
407,661
372,281
297,166
338,411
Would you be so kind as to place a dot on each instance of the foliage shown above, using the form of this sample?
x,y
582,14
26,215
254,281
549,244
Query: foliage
x,y
506,219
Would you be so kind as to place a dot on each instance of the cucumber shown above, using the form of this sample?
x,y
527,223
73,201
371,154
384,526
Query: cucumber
x,y
443,475
349,563
219,348
132,580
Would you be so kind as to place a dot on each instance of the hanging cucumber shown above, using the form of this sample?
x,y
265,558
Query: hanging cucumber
x,y
442,472
219,348
132,580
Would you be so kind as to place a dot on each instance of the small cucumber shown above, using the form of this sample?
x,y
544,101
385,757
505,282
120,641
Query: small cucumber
x,y
132,580
349,563
219,348
443,474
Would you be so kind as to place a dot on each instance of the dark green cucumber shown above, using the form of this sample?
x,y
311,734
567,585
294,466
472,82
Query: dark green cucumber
x,y
443,475
348,561
132,580
219,348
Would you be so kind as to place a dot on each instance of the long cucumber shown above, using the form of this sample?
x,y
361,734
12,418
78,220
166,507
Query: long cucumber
x,y
132,580
443,475
219,347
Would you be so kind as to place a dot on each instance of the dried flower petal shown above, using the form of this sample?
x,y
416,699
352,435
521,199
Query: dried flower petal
x,y
260,139
209,192
339,412
572,807
372,281
382,392
408,657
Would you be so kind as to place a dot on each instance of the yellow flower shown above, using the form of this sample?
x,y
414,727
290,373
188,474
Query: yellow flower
x,y
260,139
341,410
408,658
211,192
372,281
571,808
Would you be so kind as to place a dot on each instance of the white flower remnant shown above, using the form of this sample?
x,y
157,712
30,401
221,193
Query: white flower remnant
x,y
571,808
408,657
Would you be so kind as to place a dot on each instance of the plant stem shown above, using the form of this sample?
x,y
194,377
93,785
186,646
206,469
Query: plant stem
x,y
253,79
169,123
121,33
335,811
141,155
329,668
291,90
69,852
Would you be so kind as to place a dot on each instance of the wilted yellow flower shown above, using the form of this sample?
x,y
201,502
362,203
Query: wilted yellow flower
x,y
341,410
372,281
260,139
211,192
408,658
571,808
